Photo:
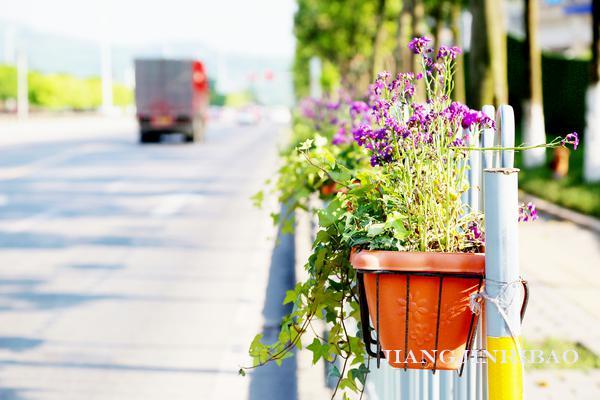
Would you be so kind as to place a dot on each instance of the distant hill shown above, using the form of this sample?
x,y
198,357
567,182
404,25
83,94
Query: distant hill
x,y
53,53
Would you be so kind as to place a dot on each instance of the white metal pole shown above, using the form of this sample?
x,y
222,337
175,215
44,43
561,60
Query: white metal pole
x,y
591,152
106,72
22,86
9,45
505,126
446,381
315,77
503,325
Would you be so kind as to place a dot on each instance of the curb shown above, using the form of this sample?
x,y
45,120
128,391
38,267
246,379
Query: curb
x,y
311,377
562,213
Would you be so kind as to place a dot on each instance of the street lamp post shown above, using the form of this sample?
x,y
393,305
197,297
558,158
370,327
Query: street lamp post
x,y
22,86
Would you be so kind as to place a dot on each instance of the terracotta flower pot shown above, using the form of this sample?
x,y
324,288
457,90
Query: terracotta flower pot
x,y
419,304
328,189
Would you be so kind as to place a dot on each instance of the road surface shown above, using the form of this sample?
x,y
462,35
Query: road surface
x,y
133,272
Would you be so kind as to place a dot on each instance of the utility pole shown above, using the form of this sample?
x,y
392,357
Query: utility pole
x,y
106,73
9,45
534,131
22,86
315,77
591,137
105,58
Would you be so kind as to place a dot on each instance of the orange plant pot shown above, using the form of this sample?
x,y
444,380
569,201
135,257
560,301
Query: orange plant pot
x,y
419,305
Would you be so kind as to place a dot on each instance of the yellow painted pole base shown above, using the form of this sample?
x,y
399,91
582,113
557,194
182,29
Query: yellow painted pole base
x,y
505,371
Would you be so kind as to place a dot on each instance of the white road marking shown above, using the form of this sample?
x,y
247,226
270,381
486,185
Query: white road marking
x,y
172,204
28,169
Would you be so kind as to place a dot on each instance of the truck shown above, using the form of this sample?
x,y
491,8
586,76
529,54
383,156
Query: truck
x,y
171,96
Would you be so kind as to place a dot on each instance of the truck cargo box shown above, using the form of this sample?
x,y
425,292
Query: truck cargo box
x,y
171,96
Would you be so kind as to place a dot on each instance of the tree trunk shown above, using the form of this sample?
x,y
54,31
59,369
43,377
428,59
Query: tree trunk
x,y
592,132
403,55
595,41
459,66
418,29
533,112
377,59
440,22
488,81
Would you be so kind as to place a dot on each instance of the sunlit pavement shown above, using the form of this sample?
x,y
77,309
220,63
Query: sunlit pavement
x,y
128,271
560,261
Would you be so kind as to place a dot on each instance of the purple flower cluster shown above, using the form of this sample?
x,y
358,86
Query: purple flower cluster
x,y
383,126
331,118
460,113
571,138
448,52
309,108
419,45
342,136
393,122
358,109
527,213
474,233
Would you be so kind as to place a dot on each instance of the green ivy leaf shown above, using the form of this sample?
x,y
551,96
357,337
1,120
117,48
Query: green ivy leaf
x,y
257,199
360,373
398,229
292,295
306,145
334,372
319,350
375,230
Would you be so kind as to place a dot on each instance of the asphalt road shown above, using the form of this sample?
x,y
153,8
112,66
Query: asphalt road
x,y
134,272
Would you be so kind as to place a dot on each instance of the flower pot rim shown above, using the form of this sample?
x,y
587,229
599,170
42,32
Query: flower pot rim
x,y
412,261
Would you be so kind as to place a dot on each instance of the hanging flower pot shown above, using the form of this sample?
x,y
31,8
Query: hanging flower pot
x,y
419,305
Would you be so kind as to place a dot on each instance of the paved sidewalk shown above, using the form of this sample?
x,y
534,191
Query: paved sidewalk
x,y
561,261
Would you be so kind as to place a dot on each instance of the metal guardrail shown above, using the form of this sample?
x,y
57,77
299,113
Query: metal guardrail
x,y
494,188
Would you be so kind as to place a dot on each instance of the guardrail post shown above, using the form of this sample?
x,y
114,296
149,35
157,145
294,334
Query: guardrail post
x,y
505,370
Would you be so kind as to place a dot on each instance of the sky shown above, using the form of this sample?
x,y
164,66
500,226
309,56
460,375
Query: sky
x,y
257,27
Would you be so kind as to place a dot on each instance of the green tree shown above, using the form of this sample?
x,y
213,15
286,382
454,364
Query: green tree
x,y
356,36
8,82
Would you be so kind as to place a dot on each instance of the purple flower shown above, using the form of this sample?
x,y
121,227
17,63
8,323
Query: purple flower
x,y
419,44
474,232
383,76
458,142
527,213
571,138
358,108
341,136
362,133
469,118
308,108
450,52
333,106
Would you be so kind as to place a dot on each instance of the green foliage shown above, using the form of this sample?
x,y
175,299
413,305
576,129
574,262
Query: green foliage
x,y
564,86
238,99
122,95
342,34
327,294
8,82
61,91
